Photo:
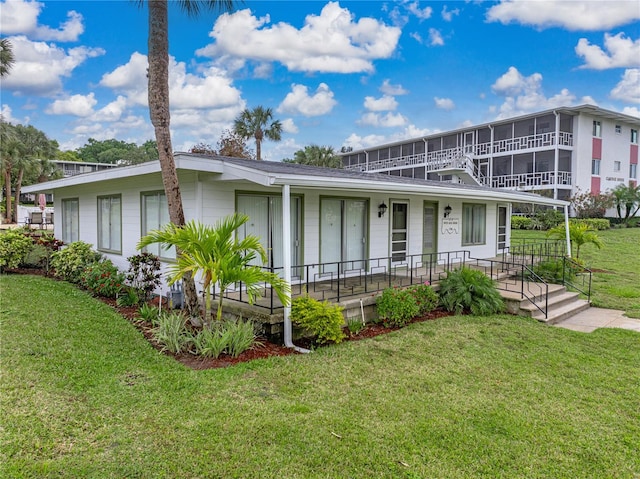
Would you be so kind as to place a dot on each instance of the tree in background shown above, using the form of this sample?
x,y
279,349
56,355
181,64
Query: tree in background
x,y
587,205
258,124
316,156
234,145
202,149
579,234
7,59
158,96
117,152
68,155
626,199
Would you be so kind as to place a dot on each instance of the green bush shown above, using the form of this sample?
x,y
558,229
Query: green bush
x,y
241,336
321,319
102,278
143,274
171,333
396,307
551,270
520,223
70,262
467,289
546,219
425,297
355,325
14,247
210,342
599,224
232,337
149,313
128,296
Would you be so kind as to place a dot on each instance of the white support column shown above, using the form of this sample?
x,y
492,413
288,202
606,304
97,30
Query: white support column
x,y
556,158
566,227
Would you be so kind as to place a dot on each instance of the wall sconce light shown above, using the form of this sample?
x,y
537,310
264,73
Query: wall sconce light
x,y
382,209
447,211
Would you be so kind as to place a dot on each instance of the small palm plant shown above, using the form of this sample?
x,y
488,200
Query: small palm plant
x,y
579,234
469,289
220,257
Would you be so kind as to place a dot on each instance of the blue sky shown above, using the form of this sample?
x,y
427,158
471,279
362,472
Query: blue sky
x,y
348,73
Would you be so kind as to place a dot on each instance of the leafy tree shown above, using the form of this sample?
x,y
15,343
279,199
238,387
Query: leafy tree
x,y
203,149
7,59
588,205
258,124
219,256
626,199
580,234
117,152
233,145
158,91
317,156
68,155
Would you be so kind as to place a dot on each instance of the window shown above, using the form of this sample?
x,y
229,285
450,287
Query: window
x,y
618,130
595,167
155,214
633,171
343,233
634,136
597,129
110,223
616,166
70,220
473,224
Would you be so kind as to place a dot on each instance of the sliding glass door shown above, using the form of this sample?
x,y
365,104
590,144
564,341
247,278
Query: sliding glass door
x,y
343,233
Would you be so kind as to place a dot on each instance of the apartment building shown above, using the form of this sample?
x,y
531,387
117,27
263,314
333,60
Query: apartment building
x,y
554,153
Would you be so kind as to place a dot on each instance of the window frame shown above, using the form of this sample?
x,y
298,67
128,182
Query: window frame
x,y
162,253
595,167
597,129
633,171
616,166
100,246
618,129
64,230
634,136
469,236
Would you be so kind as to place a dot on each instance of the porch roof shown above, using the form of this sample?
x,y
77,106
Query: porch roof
x,y
272,173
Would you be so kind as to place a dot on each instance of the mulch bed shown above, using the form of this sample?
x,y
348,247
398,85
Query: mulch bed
x,y
263,349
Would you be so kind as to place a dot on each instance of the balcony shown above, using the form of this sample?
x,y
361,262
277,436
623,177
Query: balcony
x,y
532,180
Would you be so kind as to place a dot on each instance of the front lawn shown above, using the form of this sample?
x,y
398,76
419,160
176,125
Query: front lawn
x,y
616,282
83,394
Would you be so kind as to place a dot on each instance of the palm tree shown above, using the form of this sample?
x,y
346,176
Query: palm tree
x,y
579,234
220,257
6,57
258,123
159,108
627,199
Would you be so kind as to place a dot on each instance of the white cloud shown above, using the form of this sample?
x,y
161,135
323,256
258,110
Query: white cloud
x,y
572,15
620,52
7,114
417,37
631,111
628,89
394,90
385,103
299,102
21,17
435,38
447,15
40,67
410,131
329,42
421,13
390,120
444,103
76,105
288,126
524,94
112,111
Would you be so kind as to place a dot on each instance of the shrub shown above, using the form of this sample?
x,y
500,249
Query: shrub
x,y
14,246
520,223
241,336
599,224
551,271
143,274
210,342
396,307
355,325
149,313
171,333
69,262
546,219
103,279
232,337
321,319
128,297
425,297
467,289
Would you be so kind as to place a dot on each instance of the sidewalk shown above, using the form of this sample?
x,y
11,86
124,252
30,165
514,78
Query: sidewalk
x,y
594,318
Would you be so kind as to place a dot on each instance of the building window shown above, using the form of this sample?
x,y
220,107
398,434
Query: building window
x,y
597,129
616,166
618,130
343,234
633,171
110,223
595,167
70,220
634,136
474,224
155,214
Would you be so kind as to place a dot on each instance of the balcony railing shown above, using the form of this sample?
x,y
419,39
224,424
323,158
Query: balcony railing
x,y
529,180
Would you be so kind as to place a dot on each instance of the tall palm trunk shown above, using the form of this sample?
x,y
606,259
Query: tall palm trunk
x,y
17,193
160,119
7,185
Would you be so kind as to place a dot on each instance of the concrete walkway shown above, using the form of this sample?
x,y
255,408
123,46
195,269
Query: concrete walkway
x,y
594,318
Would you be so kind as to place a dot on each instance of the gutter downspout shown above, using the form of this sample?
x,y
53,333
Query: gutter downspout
x,y
566,228
286,261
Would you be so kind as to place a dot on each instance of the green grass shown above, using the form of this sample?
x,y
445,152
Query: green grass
x,y
84,395
617,284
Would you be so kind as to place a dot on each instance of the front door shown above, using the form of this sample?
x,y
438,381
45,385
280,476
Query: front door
x,y
399,232
502,228
429,229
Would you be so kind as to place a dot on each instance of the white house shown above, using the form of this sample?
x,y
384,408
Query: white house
x,y
553,152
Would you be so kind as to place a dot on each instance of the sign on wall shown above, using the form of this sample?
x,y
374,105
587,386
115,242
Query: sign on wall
x,y
451,226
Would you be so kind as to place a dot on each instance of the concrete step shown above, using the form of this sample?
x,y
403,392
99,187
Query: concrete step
x,y
560,313
556,300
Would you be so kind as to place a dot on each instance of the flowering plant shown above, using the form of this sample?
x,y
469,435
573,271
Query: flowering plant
x,y
102,279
